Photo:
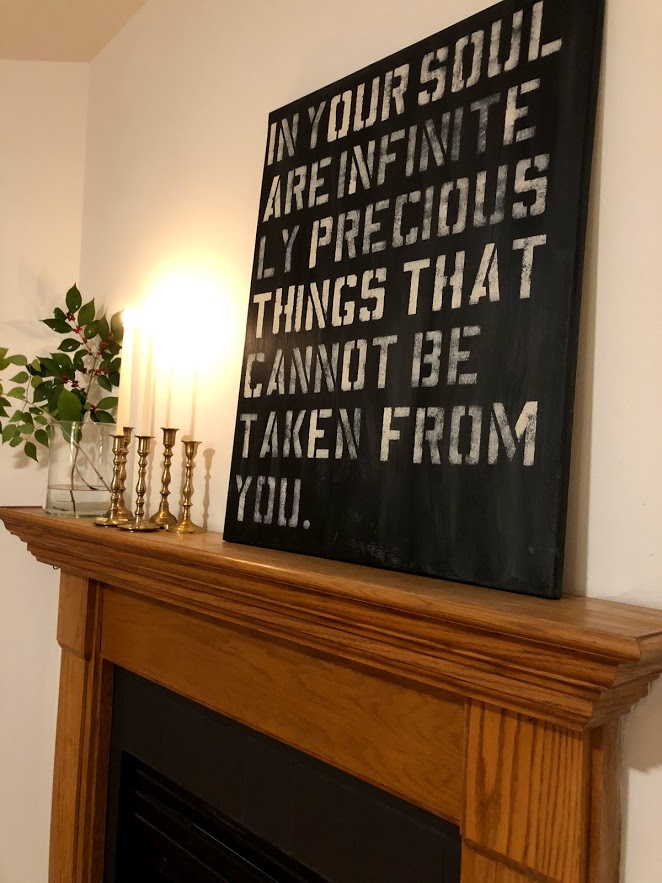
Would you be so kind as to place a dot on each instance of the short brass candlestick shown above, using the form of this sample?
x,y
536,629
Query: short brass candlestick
x,y
140,523
164,516
125,512
185,525
115,516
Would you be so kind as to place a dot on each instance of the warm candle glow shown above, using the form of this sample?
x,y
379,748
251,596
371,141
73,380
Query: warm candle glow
x,y
191,322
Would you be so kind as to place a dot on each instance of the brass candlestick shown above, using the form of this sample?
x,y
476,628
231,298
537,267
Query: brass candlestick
x,y
125,512
185,525
139,523
164,516
115,516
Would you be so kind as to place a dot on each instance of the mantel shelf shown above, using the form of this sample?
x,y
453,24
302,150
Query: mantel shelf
x,y
577,662
500,713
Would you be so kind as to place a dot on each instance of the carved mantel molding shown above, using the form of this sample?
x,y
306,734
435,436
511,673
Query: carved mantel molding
x,y
496,711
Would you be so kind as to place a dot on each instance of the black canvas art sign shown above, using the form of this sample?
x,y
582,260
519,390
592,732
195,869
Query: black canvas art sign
x,y
408,376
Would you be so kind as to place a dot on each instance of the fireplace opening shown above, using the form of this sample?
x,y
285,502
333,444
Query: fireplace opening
x,y
196,797
165,834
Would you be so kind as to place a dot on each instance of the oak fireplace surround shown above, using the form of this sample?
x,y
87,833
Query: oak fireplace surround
x,y
499,713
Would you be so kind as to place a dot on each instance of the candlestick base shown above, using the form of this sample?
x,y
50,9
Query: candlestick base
x,y
125,514
164,520
138,526
112,520
185,527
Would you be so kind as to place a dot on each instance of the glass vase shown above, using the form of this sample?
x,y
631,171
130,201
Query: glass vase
x,y
80,469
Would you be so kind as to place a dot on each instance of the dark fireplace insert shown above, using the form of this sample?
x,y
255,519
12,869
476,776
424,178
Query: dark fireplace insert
x,y
195,797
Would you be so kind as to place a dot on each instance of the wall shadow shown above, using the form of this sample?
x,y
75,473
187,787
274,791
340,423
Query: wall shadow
x,y
208,456
576,543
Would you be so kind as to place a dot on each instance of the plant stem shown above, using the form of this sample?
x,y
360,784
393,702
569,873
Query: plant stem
x,y
80,450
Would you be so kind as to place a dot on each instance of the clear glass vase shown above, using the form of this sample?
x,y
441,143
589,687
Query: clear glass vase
x,y
80,469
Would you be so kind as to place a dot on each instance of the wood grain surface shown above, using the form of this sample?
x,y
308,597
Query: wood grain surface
x,y
83,731
408,742
575,662
526,792
480,868
498,712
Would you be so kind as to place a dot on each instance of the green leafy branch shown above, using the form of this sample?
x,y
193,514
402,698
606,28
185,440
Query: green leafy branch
x,y
75,383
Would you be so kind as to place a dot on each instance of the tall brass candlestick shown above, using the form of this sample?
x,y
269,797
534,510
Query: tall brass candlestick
x,y
185,525
164,516
125,512
139,523
115,517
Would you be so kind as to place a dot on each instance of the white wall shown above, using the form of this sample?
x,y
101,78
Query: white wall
x,y
177,124
43,112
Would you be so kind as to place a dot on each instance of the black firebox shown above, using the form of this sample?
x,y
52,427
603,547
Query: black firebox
x,y
195,797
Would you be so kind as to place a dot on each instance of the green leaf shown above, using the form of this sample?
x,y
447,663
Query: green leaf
x,y
79,360
59,325
21,377
114,378
103,328
3,413
4,402
51,368
8,433
73,299
42,421
36,382
105,383
108,403
42,437
86,314
52,397
27,417
103,417
69,345
26,429
16,441
59,314
30,450
64,362
3,351
91,330
17,360
41,391
69,406
17,393
114,349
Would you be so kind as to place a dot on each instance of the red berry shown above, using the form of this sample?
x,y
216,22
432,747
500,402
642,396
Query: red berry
x,y
70,317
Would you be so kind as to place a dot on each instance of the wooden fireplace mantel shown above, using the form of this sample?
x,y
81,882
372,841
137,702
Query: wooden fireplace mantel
x,y
498,712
